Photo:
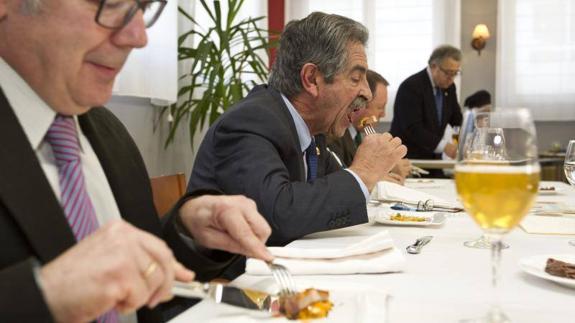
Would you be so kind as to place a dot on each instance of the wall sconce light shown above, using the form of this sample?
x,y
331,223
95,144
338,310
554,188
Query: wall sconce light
x,y
480,36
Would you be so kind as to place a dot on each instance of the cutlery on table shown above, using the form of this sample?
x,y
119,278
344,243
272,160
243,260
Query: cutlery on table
x,y
419,243
221,293
283,278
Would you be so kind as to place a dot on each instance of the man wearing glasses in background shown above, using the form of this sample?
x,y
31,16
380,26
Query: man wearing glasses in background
x,y
81,240
425,103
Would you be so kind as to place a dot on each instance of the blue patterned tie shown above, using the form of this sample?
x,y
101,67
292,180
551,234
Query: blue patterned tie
x,y
439,103
63,138
311,160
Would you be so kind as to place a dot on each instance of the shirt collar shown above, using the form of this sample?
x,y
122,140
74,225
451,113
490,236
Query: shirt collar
x,y
428,69
301,128
352,131
34,115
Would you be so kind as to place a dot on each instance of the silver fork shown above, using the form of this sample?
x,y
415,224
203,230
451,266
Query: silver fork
x,y
369,130
283,278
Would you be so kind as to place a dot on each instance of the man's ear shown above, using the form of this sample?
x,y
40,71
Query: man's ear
x,y
310,78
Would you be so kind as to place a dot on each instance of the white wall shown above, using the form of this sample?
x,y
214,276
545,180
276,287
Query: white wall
x,y
479,71
139,117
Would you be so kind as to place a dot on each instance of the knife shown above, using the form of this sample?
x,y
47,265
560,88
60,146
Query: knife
x,y
221,293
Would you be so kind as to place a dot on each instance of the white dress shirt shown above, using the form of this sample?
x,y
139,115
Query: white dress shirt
x,y
35,117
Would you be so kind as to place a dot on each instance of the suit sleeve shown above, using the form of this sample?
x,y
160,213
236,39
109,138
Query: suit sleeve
x,y
21,299
249,163
456,117
409,110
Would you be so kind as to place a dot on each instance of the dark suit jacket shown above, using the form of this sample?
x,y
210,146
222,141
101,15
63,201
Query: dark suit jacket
x,y
253,149
343,147
415,117
33,224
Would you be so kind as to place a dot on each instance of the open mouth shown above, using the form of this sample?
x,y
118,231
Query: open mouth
x,y
353,114
356,105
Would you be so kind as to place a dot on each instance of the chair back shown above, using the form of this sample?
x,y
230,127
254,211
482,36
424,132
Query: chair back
x,y
167,190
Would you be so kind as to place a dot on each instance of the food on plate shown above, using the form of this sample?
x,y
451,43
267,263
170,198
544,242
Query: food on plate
x,y
407,218
368,121
560,268
310,304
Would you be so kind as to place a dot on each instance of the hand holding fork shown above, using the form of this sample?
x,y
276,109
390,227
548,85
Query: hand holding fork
x,y
376,156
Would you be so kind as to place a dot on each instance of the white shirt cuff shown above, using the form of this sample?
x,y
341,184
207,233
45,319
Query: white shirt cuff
x,y
361,184
440,146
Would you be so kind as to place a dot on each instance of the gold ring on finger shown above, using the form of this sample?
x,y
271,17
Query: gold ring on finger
x,y
150,269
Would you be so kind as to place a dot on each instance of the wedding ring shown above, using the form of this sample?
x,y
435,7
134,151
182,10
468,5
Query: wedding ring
x,y
150,269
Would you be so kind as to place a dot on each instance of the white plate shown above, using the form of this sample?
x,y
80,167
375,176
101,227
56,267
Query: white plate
x,y
435,218
535,266
363,303
557,190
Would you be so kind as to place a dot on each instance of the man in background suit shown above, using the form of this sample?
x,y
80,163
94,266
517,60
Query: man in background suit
x,y
80,237
345,146
264,146
425,103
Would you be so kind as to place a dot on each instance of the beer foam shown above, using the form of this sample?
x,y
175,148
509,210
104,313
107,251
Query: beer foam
x,y
497,167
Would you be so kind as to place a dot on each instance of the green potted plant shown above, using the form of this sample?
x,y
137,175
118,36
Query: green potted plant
x,y
226,63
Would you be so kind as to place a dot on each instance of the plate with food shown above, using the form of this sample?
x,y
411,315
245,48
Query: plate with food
x,y
410,218
338,300
556,268
549,190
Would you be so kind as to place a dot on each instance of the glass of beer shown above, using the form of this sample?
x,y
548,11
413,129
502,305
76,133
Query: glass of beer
x,y
476,149
497,177
455,135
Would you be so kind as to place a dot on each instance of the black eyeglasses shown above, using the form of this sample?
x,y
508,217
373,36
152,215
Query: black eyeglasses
x,y
115,14
448,72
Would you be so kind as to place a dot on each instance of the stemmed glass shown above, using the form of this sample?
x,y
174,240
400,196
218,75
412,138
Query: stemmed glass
x,y
569,168
472,140
498,189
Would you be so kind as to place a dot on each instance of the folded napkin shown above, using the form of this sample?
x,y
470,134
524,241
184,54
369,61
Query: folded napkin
x,y
391,192
548,224
338,254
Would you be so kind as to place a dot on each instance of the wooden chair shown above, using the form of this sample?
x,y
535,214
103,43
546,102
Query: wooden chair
x,y
166,191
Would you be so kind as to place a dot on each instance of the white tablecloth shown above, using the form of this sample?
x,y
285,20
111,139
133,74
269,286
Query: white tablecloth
x,y
445,283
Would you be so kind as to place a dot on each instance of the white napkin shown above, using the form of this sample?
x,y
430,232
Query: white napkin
x,y
388,191
338,254
548,224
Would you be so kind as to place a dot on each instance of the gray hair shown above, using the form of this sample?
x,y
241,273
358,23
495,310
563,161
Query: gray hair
x,y
443,52
321,39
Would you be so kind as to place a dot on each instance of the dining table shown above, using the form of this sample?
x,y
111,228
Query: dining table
x,y
445,282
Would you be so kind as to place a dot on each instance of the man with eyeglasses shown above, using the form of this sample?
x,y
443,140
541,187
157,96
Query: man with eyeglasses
x,y
425,103
81,240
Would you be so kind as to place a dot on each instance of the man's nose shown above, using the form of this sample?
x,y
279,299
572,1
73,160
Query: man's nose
x,y
133,34
365,92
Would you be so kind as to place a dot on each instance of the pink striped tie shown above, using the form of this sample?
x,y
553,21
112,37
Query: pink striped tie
x,y
80,213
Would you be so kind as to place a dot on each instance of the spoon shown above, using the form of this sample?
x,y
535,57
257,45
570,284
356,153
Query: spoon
x,y
419,243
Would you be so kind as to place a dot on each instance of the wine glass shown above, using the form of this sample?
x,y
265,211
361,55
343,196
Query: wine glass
x,y
473,137
455,135
569,168
497,189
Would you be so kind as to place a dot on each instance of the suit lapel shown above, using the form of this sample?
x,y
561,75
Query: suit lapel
x,y
26,192
123,166
284,111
